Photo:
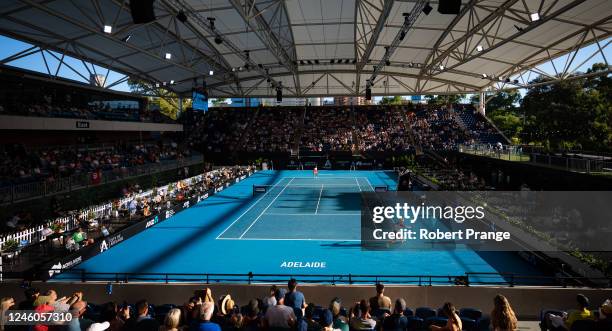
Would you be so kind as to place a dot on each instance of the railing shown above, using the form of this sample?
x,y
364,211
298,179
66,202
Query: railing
x,y
587,164
68,223
467,279
24,191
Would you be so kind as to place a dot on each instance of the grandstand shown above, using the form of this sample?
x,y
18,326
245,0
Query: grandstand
x,y
299,165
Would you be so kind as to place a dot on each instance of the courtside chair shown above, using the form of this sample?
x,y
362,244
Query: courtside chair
x,y
415,323
425,313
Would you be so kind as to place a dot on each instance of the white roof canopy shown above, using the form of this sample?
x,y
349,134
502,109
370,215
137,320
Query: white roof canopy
x,y
313,47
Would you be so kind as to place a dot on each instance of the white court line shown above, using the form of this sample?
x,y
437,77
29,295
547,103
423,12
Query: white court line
x,y
319,214
291,239
319,201
268,206
253,205
371,187
356,181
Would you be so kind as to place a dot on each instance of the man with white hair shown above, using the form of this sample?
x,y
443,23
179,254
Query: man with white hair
x,y
203,323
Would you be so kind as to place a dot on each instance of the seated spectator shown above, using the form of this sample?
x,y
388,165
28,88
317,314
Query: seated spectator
x,y
142,321
280,316
78,321
604,322
502,316
311,324
253,321
30,296
361,319
559,323
79,236
396,321
203,323
110,314
454,322
380,301
270,300
172,321
327,321
340,321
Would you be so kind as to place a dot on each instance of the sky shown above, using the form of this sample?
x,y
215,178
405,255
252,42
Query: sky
x,y
36,62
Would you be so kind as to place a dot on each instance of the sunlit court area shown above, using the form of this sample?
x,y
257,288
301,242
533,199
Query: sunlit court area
x,y
301,165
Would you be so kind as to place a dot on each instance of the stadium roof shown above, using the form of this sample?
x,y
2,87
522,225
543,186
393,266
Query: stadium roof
x,y
316,48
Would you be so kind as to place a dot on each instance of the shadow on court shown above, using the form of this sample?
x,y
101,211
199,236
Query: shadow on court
x,y
181,245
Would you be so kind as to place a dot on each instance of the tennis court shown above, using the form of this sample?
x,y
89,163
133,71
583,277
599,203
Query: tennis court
x,y
326,208
295,224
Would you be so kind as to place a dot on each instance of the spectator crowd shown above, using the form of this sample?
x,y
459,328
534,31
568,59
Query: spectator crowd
x,y
20,163
285,309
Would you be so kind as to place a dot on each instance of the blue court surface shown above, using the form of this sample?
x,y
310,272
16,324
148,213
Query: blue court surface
x,y
299,225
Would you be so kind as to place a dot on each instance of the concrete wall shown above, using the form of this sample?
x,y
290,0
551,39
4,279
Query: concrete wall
x,y
47,123
526,301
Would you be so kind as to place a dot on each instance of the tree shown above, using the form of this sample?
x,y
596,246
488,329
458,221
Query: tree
x,y
396,100
167,100
504,112
217,101
570,114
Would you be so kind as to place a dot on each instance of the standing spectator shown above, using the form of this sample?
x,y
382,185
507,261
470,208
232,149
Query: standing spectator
x,y
294,298
280,316
380,301
502,316
397,321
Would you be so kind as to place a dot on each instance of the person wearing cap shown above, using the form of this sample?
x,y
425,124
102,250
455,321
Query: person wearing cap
x,y
555,322
280,316
294,298
252,320
327,321
99,326
396,321
203,323
340,321
380,301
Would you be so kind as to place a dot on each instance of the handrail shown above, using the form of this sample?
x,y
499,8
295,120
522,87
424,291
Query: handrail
x,y
35,189
466,279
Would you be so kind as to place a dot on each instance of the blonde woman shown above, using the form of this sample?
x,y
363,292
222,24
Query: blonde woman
x,y
502,316
172,321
